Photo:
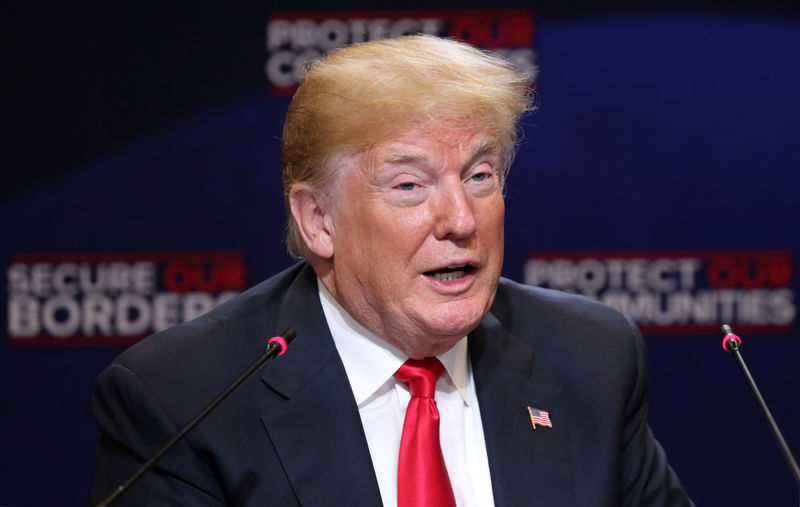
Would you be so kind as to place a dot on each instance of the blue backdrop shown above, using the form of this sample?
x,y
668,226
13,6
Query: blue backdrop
x,y
654,133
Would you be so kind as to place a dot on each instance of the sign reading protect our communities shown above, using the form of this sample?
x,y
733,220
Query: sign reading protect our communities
x,y
296,38
679,292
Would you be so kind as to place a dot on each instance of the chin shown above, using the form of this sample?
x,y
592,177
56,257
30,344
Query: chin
x,y
455,324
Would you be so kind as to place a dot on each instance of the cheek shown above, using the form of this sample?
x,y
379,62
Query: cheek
x,y
404,231
411,218
379,243
492,218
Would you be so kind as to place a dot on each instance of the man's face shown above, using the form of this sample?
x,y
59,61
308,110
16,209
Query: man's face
x,y
417,231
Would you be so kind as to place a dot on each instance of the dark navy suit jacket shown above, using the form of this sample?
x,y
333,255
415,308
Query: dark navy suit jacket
x,y
291,435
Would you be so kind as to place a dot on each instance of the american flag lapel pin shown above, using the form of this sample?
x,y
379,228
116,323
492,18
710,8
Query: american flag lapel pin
x,y
540,417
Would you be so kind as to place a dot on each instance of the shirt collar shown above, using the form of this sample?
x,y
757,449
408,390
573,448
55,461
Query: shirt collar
x,y
370,362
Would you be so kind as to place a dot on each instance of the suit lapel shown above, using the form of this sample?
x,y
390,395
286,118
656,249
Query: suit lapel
x,y
313,422
528,466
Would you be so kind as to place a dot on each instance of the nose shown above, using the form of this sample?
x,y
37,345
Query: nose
x,y
455,216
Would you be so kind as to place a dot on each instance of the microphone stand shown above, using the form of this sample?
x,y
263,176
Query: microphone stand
x,y
275,347
732,343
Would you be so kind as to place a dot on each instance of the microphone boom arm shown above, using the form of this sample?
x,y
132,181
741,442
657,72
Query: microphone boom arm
x,y
732,343
276,347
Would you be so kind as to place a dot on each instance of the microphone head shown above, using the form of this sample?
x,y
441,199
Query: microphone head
x,y
282,341
730,342
725,330
288,335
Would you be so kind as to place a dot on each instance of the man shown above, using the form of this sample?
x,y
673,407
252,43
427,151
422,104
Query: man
x,y
394,155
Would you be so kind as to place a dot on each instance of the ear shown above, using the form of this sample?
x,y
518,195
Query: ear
x,y
313,220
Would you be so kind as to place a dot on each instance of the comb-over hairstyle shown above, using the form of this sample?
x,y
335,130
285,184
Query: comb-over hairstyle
x,y
363,94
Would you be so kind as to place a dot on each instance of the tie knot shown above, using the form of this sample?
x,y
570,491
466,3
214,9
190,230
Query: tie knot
x,y
420,375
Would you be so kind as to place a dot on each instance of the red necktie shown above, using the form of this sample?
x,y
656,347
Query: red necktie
x,y
422,479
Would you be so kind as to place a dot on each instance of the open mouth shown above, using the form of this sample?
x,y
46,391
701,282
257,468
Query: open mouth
x,y
450,273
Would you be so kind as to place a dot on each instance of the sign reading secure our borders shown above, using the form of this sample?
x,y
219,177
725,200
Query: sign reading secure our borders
x,y
294,39
114,298
679,292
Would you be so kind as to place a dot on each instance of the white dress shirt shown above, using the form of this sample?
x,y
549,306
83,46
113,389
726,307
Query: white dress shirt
x,y
370,363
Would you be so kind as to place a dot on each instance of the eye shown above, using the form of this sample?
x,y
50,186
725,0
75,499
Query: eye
x,y
482,180
406,186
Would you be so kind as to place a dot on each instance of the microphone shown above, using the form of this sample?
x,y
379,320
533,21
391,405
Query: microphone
x,y
276,346
732,344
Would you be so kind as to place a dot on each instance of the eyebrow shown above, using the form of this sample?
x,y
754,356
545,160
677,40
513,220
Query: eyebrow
x,y
486,144
404,157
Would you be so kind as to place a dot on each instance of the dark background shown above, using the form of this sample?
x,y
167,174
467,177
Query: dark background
x,y
147,127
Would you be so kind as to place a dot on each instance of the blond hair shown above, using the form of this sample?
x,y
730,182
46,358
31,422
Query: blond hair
x,y
360,95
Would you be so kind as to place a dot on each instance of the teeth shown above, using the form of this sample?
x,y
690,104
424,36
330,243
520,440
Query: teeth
x,y
449,276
